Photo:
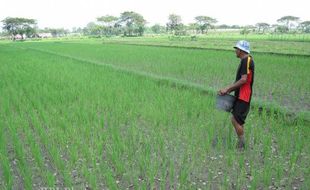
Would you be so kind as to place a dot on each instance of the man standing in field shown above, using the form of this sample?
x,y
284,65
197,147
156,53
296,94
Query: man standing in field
x,y
243,89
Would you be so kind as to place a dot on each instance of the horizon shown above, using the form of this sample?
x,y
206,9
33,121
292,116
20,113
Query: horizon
x,y
70,14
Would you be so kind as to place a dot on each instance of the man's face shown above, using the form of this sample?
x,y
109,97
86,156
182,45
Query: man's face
x,y
238,52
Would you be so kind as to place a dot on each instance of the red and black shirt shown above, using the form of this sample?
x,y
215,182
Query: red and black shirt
x,y
246,67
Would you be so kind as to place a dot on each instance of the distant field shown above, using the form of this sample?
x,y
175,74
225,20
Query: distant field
x,y
265,45
290,44
304,37
110,116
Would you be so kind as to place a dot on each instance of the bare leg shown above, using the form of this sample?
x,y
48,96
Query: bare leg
x,y
238,127
239,130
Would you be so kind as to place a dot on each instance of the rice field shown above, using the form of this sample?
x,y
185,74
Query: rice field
x,y
281,80
289,45
113,116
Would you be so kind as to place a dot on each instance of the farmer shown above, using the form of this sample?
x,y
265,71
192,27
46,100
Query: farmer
x,y
243,90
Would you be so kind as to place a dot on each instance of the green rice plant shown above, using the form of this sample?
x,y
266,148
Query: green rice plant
x,y
125,122
20,157
191,65
5,164
109,178
51,181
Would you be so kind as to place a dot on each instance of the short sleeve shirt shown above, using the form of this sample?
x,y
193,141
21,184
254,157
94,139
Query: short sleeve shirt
x,y
246,67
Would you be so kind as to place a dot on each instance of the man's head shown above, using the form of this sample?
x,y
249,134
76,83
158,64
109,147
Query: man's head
x,y
242,48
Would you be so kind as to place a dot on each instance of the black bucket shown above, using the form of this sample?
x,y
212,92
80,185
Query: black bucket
x,y
225,102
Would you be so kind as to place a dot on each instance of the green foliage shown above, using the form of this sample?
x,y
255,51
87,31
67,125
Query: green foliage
x,y
21,26
204,23
305,26
108,20
109,23
262,27
289,22
141,118
245,31
133,23
175,25
281,29
157,29
55,32
93,29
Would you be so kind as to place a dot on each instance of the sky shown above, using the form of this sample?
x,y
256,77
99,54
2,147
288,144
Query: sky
x,y
77,13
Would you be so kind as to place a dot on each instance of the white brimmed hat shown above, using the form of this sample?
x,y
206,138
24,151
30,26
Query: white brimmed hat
x,y
243,45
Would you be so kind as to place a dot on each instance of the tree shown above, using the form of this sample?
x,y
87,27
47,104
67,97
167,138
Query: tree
x,y
157,29
58,32
204,23
245,30
193,28
77,30
262,26
289,21
236,27
305,26
280,28
108,22
21,26
92,29
223,26
175,24
133,23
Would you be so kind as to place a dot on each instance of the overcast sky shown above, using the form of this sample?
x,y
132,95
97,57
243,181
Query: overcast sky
x,y
77,13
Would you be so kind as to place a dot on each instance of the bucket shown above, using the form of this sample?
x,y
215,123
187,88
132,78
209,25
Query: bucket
x,y
225,102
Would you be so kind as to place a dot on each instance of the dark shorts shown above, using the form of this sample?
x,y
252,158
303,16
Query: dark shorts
x,y
240,111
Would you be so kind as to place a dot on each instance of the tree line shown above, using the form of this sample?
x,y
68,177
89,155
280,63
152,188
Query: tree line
x,y
131,24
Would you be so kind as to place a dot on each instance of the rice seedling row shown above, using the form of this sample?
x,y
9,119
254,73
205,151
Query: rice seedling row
x,y
276,82
89,125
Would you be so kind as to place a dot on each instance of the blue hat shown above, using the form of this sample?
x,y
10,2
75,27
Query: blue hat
x,y
243,45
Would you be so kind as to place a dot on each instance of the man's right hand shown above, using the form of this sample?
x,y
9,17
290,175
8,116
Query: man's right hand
x,y
223,91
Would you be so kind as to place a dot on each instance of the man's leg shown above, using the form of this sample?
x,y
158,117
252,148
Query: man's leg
x,y
240,132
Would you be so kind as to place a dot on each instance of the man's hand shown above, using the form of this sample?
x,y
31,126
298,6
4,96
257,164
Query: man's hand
x,y
223,91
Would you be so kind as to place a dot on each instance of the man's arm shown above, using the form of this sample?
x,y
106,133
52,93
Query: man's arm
x,y
234,86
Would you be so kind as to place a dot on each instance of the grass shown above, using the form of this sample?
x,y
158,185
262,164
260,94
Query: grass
x,y
287,44
100,125
258,44
206,69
